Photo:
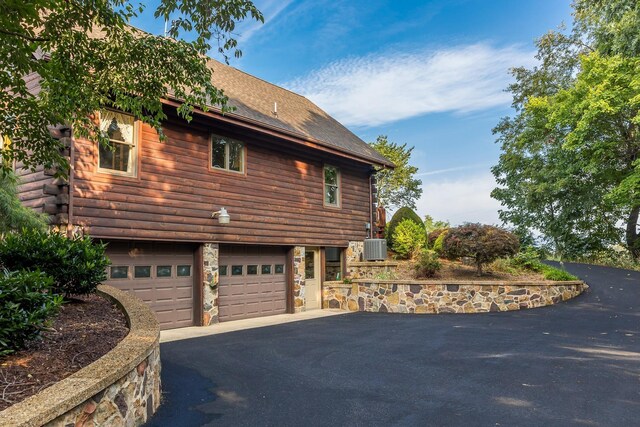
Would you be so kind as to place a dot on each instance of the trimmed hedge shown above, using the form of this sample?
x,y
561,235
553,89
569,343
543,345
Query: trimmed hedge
x,y
26,304
396,219
77,265
408,238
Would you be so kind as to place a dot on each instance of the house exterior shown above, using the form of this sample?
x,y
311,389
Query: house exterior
x,y
296,184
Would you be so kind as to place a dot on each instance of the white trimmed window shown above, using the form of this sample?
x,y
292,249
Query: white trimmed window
x,y
227,154
121,157
331,186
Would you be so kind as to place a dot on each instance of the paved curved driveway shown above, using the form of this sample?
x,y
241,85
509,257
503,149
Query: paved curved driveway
x,y
577,363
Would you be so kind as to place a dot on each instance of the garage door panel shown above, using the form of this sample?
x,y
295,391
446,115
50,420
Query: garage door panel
x,y
171,298
252,295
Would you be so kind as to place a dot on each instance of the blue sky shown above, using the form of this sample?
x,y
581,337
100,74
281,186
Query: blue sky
x,y
430,74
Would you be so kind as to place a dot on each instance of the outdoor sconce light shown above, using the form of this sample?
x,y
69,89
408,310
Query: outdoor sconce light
x,y
223,216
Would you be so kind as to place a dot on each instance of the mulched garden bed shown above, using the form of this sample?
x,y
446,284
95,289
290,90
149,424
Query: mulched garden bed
x,y
454,270
86,328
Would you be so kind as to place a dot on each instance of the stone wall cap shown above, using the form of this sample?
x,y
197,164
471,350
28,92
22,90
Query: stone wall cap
x,y
470,282
373,264
143,337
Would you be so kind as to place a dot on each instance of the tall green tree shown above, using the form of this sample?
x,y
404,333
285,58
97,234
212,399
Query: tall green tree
x,y
568,167
396,187
88,57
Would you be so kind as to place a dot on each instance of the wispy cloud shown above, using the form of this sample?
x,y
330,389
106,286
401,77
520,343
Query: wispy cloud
x,y
456,169
387,87
464,199
270,9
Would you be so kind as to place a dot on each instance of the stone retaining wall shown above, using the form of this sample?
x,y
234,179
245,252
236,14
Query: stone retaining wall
x,y
122,388
403,296
370,269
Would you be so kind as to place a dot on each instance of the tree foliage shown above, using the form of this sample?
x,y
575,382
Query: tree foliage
x,y
13,215
483,243
88,57
396,187
431,225
569,163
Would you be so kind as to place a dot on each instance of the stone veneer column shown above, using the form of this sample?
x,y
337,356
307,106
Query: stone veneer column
x,y
298,279
210,254
355,252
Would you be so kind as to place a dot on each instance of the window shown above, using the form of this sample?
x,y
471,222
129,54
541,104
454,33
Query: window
x,y
163,271
332,263
309,265
119,272
223,270
252,269
120,158
141,271
279,268
331,186
266,269
184,271
227,154
236,270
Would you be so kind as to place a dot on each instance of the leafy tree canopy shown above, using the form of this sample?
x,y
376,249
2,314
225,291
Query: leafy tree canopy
x,y
569,164
88,57
430,224
396,187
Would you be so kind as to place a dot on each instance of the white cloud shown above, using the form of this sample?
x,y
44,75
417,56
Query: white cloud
x,y
456,169
463,199
270,10
387,87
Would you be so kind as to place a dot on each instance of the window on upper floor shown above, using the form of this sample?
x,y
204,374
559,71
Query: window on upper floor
x,y
331,186
227,154
121,157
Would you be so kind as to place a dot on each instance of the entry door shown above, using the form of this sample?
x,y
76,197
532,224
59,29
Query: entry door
x,y
312,278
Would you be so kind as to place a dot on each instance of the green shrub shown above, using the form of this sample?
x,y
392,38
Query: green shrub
x,y
77,265
507,266
483,243
556,274
385,275
408,238
427,264
527,258
437,244
433,236
397,218
26,304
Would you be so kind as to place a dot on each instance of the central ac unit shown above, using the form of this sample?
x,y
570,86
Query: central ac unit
x,y
375,249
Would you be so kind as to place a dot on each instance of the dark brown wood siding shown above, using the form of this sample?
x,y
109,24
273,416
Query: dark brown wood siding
x,y
30,189
278,201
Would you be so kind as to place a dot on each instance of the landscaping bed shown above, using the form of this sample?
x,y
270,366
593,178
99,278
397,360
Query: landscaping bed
x,y
456,270
86,328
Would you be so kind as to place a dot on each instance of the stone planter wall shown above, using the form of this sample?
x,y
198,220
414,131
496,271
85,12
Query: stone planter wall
x,y
403,296
370,269
122,388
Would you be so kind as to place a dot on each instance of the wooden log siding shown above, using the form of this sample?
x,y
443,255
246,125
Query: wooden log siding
x,y
279,201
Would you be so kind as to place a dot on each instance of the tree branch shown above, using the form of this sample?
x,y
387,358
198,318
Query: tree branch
x,y
24,36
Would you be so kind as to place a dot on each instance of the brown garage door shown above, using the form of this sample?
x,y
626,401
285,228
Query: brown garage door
x,y
252,281
159,274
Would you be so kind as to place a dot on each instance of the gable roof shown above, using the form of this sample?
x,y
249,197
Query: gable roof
x,y
256,99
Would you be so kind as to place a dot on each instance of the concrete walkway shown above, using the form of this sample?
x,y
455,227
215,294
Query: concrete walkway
x,y
240,325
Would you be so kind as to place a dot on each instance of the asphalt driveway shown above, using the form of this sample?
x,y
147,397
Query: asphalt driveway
x,y
577,363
